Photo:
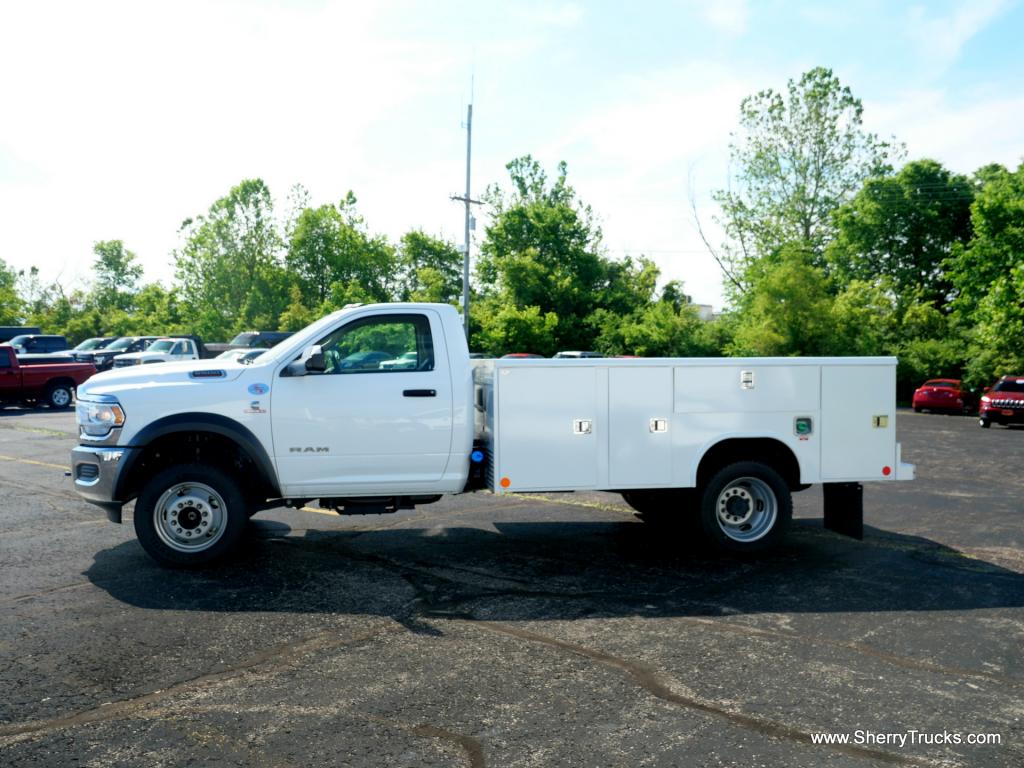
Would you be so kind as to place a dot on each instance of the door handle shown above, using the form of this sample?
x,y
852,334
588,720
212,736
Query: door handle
x,y
419,393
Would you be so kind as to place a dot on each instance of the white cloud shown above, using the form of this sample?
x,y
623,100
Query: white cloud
x,y
729,16
940,38
963,135
634,158
137,116
563,15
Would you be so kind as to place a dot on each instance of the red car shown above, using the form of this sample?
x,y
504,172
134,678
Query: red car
x,y
1003,403
942,395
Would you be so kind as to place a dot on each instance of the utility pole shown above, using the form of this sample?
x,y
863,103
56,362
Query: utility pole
x,y
469,221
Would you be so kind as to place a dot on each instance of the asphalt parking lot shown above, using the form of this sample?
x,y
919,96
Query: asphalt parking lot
x,y
517,631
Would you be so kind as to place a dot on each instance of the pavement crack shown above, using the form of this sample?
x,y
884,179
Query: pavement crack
x,y
44,592
472,748
659,686
276,657
906,662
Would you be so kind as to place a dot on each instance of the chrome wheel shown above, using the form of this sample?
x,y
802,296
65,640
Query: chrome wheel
x,y
746,509
190,517
60,397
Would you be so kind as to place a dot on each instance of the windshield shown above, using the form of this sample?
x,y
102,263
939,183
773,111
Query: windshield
x,y
17,341
123,343
309,335
89,344
1010,385
164,345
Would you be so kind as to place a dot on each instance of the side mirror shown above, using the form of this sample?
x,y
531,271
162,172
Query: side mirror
x,y
312,361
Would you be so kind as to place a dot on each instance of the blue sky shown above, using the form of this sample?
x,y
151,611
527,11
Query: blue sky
x,y
121,119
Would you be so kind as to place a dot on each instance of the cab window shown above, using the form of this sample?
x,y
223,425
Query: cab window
x,y
381,344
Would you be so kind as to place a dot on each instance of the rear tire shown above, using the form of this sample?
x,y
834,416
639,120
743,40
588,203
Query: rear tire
x,y
59,396
190,515
746,508
917,409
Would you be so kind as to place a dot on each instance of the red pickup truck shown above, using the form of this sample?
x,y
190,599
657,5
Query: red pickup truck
x,y
50,383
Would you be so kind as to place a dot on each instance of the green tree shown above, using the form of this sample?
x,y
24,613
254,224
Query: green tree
x,y
904,228
298,315
11,305
660,329
329,245
505,328
864,320
788,309
117,275
542,250
229,265
988,276
432,268
798,156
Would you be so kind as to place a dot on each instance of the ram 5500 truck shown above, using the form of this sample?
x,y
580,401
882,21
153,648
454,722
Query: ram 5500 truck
x,y
329,414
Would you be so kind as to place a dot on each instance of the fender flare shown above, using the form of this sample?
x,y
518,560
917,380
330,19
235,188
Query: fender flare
x,y
200,422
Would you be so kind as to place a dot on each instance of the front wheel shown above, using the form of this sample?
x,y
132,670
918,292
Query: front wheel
x,y
190,515
746,507
984,423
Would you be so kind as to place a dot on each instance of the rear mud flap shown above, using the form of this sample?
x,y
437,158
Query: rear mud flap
x,y
844,509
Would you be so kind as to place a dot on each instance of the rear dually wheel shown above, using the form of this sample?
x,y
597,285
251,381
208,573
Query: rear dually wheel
x,y
746,507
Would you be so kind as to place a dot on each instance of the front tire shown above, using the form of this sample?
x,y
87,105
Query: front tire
x,y
746,508
190,516
59,396
984,423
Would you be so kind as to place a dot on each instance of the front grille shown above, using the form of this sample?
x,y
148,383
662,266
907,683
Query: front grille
x,y
87,471
123,363
1008,403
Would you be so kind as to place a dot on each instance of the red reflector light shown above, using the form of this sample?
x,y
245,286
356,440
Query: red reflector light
x,y
886,471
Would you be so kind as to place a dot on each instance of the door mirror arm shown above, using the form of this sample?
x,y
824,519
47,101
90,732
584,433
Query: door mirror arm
x,y
311,361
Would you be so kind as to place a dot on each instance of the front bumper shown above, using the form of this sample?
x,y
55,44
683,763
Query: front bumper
x,y
96,471
1003,414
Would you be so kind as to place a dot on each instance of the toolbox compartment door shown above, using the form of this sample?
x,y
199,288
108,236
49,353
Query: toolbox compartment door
x,y
858,422
540,445
640,450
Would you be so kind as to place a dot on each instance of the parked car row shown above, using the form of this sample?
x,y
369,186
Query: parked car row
x,y
1002,403
40,368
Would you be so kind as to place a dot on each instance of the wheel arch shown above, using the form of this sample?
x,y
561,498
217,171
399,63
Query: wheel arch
x,y
767,450
203,437
58,381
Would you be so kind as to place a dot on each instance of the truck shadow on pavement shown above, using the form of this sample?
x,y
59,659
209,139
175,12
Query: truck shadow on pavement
x,y
559,571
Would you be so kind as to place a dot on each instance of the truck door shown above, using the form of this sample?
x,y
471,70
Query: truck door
x,y
10,377
378,420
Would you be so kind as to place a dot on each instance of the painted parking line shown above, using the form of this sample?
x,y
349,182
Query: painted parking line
x,y
64,467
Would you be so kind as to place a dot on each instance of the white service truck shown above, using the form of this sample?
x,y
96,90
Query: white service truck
x,y
203,445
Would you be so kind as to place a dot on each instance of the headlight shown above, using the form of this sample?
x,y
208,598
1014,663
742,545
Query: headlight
x,y
986,399
98,418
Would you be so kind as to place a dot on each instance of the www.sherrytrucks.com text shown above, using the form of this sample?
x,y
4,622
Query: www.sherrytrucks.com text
x,y
910,738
